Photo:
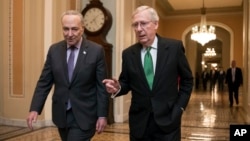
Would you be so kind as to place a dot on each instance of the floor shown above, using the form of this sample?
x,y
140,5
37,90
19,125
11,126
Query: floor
x,y
207,118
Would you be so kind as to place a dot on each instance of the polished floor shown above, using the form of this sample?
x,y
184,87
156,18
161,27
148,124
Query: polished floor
x,y
207,118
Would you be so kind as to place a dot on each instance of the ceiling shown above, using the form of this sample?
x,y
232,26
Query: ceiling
x,y
196,4
184,7
174,8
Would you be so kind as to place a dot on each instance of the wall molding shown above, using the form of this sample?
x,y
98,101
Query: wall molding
x,y
23,123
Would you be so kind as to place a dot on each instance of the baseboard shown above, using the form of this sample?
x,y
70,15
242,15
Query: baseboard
x,y
23,123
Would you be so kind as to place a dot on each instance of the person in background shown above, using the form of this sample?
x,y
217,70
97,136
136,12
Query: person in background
x,y
204,78
213,78
76,68
234,79
150,70
221,79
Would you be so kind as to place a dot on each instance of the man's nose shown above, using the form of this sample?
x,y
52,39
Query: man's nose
x,y
70,33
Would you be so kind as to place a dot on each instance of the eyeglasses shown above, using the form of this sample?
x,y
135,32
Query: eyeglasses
x,y
142,24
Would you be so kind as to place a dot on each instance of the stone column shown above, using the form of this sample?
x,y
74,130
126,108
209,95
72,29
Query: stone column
x,y
246,57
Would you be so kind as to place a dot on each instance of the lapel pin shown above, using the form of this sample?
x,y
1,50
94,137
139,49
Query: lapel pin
x,y
84,52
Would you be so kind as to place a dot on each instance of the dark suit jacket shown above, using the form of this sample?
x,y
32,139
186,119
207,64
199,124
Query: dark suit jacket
x,y
165,100
213,77
88,95
205,77
238,77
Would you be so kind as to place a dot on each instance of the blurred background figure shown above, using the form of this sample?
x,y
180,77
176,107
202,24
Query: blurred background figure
x,y
221,79
204,77
213,78
234,79
197,80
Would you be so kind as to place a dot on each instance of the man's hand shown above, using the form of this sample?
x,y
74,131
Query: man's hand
x,y
101,124
112,85
31,118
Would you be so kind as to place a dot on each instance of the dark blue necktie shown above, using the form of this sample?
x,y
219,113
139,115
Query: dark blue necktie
x,y
71,68
149,68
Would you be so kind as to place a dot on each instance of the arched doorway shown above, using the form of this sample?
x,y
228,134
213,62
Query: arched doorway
x,y
222,46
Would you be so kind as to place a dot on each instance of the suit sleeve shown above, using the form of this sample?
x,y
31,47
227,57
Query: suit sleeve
x,y
186,78
102,96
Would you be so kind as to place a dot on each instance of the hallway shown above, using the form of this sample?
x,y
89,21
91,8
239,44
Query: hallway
x,y
207,117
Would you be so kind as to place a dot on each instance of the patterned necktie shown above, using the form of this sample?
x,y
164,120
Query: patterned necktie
x,y
148,68
71,62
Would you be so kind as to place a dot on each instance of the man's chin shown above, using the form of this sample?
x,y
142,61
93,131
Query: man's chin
x,y
143,42
70,43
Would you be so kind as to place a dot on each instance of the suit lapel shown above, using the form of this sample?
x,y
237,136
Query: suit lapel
x,y
63,52
162,56
80,60
138,63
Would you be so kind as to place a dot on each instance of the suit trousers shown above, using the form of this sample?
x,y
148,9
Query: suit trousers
x,y
233,93
155,133
73,132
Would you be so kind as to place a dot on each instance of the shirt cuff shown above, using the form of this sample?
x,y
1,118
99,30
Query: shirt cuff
x,y
182,109
114,94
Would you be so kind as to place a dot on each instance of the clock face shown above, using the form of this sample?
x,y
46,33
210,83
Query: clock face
x,y
94,19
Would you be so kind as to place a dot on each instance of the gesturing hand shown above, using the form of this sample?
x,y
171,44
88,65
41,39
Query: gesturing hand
x,y
112,85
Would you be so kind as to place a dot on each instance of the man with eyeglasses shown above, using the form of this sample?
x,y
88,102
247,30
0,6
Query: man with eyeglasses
x,y
157,73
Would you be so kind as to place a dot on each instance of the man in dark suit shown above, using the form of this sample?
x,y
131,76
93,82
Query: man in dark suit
x,y
213,75
205,78
156,105
234,79
80,101
221,79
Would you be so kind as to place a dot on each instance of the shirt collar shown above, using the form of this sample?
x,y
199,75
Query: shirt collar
x,y
154,45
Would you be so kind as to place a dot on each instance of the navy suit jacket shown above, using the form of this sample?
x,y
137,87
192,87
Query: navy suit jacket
x,y
166,99
89,99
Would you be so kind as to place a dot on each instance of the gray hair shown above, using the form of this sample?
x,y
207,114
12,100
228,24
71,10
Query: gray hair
x,y
73,12
151,11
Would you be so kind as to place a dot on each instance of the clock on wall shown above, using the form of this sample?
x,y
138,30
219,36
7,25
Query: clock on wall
x,y
94,19
97,19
